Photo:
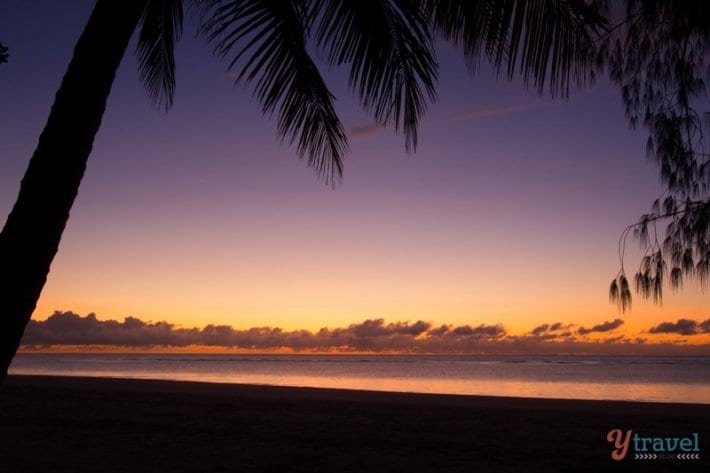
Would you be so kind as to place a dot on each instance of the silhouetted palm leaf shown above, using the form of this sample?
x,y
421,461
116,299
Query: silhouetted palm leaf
x,y
161,27
3,53
266,40
389,48
547,41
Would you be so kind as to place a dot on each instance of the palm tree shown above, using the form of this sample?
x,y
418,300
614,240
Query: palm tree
x,y
387,45
31,235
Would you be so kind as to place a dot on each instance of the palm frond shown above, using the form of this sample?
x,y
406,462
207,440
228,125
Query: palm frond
x,y
161,27
619,292
547,41
3,53
265,42
389,48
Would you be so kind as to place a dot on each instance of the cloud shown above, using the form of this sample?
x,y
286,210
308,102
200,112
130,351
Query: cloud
x,y
539,330
372,335
377,328
366,131
68,328
682,327
604,327
547,330
478,113
486,330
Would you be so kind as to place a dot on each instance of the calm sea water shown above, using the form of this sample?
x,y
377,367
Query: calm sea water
x,y
659,379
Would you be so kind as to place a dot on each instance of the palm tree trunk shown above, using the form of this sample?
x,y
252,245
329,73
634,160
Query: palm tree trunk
x,y
31,235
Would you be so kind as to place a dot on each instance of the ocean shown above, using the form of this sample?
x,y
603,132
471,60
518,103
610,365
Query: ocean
x,y
628,378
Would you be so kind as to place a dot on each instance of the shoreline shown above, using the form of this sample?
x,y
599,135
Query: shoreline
x,y
657,380
220,388
74,424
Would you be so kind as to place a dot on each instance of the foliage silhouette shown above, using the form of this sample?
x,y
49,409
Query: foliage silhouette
x,y
657,56
4,55
387,45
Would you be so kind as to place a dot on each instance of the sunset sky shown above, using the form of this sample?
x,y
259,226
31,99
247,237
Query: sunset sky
x,y
509,212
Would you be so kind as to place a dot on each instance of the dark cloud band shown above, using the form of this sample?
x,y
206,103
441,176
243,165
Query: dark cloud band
x,y
604,327
682,327
67,328
372,335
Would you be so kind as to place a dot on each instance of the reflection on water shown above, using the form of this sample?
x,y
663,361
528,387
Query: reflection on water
x,y
614,378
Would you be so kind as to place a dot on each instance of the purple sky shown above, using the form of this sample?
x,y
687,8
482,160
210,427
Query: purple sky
x,y
508,213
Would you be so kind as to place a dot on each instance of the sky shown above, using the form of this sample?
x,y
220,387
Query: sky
x,y
508,215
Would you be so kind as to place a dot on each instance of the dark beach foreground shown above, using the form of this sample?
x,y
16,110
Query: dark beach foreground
x,y
57,424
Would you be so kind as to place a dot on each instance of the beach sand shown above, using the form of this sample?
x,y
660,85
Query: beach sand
x,y
58,424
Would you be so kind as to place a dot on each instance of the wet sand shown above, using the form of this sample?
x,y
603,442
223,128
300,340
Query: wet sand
x,y
62,424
